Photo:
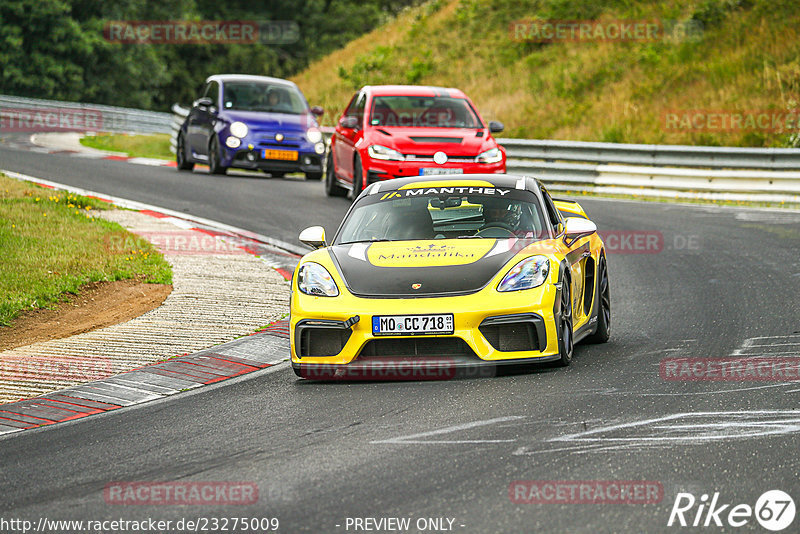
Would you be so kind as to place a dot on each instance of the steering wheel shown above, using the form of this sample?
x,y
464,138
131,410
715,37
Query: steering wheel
x,y
487,230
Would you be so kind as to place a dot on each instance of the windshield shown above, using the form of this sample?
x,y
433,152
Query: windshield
x,y
445,216
260,96
423,111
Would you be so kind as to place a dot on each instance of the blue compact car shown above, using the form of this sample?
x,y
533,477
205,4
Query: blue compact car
x,y
252,122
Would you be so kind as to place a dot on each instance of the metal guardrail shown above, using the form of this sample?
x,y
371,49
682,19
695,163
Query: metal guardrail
x,y
768,174
669,155
179,114
771,174
37,115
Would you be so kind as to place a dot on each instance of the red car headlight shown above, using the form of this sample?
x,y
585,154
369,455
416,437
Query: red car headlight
x,y
384,153
493,155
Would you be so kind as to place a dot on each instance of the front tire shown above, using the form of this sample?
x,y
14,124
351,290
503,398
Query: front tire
x,y
358,177
332,189
214,164
564,322
181,160
603,297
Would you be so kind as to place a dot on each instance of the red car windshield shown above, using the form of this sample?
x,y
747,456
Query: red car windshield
x,y
423,111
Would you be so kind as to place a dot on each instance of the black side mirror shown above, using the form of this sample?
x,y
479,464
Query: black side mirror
x,y
496,126
203,103
350,123
317,110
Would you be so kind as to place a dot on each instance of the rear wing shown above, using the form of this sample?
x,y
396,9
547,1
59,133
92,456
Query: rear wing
x,y
569,208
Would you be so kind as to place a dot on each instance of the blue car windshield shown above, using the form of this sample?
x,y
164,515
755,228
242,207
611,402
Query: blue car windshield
x,y
261,96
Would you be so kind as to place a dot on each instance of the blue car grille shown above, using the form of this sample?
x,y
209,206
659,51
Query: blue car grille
x,y
289,141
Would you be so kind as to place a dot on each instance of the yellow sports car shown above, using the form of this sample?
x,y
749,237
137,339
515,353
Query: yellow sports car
x,y
447,273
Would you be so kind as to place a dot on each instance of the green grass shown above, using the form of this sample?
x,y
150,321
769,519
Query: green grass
x,y
741,55
136,146
51,245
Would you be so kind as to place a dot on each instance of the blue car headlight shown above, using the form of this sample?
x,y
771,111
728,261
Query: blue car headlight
x,y
527,274
239,129
315,280
314,135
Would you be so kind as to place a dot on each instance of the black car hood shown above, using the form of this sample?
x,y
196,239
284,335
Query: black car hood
x,y
422,268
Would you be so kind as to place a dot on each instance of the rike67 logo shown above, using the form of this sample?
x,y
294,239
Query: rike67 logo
x,y
774,510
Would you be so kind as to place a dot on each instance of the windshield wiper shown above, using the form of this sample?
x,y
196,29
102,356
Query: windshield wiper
x,y
471,237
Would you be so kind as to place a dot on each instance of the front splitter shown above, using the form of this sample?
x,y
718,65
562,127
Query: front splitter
x,y
411,369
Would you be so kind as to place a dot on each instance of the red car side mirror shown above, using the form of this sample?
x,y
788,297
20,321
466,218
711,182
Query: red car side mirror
x,y
349,123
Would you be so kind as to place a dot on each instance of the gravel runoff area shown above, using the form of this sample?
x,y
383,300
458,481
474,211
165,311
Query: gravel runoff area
x,y
220,292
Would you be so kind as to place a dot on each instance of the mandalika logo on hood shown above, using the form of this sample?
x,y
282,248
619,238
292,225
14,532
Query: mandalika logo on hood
x,y
433,247
429,251
427,254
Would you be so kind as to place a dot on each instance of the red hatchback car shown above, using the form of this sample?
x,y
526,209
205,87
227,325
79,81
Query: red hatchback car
x,y
392,131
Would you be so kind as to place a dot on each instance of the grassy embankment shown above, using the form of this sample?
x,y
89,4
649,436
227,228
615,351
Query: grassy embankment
x,y
745,57
51,245
739,55
136,146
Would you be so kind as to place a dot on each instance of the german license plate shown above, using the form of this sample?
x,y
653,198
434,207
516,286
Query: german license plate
x,y
405,325
429,171
285,155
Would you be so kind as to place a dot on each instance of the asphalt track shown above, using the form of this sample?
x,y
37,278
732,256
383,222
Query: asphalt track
x,y
725,282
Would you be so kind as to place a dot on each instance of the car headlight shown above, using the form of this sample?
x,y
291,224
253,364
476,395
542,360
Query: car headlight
x,y
313,135
233,142
527,274
381,152
239,129
493,155
315,280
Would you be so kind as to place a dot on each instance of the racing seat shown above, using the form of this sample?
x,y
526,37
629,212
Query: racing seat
x,y
459,117
409,224
441,116
282,103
